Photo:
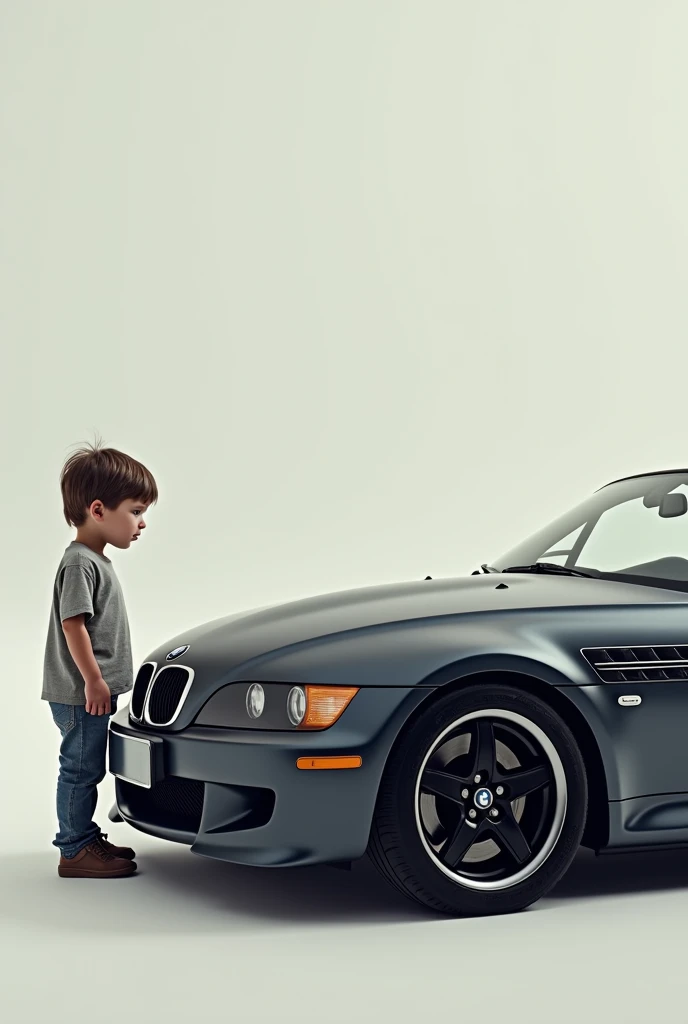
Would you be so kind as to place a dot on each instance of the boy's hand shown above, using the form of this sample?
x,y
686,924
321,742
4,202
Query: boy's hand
x,y
97,697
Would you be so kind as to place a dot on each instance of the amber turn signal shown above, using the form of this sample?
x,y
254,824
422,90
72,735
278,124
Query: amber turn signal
x,y
324,705
329,762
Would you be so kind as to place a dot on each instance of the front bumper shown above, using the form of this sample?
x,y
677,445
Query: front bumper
x,y
237,795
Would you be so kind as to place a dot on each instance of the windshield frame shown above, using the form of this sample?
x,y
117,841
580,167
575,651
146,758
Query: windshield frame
x,y
584,517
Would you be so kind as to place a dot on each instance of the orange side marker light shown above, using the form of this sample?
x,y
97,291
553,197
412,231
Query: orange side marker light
x,y
329,762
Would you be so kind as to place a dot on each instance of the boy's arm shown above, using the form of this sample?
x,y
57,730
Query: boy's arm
x,y
81,650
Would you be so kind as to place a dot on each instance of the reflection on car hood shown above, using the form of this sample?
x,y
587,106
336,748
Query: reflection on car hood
x,y
234,639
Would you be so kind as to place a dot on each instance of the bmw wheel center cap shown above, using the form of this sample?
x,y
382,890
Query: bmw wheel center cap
x,y
176,653
483,798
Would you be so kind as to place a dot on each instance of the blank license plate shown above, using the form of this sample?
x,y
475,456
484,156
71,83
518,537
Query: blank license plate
x,y
131,759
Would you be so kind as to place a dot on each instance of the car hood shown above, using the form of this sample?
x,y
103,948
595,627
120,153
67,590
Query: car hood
x,y
233,640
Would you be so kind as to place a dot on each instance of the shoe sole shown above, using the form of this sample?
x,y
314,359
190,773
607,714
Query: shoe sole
x,y
67,872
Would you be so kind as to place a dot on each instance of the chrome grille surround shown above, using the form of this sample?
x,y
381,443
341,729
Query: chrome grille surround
x,y
166,695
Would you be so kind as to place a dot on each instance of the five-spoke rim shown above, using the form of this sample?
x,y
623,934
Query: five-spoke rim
x,y
483,798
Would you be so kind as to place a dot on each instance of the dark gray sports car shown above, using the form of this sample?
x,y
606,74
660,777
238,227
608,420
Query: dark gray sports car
x,y
469,734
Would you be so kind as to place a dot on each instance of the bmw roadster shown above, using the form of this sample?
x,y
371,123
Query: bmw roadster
x,y
468,734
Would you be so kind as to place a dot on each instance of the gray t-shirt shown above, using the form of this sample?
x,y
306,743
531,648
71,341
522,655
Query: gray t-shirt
x,y
86,582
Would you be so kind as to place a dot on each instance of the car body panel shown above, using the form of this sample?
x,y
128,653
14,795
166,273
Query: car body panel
x,y
641,745
647,822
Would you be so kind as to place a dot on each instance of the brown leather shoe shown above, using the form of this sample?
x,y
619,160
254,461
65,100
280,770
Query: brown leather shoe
x,y
94,861
117,851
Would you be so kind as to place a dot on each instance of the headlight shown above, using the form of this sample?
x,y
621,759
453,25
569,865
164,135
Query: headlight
x,y
296,705
255,700
275,706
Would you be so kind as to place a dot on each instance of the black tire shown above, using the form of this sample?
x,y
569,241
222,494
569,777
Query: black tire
x,y
402,845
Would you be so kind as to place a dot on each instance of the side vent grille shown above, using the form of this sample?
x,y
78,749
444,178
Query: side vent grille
x,y
638,664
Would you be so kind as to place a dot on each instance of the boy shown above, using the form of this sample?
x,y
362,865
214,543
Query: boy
x,y
88,660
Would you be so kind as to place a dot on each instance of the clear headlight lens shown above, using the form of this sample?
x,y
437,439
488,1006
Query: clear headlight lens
x,y
255,700
296,705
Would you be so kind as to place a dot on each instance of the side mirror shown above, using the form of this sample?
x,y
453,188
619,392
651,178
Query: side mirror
x,y
673,505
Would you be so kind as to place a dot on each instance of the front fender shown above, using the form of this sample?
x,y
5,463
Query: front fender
x,y
423,653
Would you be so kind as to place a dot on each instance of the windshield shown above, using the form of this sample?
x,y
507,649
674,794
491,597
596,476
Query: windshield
x,y
629,529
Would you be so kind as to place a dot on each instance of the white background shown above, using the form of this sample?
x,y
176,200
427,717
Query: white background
x,y
373,288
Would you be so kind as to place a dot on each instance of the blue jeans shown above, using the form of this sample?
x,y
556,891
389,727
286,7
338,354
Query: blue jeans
x,y
82,766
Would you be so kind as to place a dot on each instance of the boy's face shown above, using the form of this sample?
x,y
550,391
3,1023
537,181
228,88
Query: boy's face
x,y
122,525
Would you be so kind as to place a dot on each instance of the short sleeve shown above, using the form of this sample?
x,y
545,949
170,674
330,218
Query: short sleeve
x,y
76,592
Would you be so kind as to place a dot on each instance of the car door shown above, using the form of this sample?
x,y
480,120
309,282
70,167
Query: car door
x,y
641,654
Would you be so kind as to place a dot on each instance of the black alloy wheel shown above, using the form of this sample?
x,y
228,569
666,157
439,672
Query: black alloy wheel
x,y
482,804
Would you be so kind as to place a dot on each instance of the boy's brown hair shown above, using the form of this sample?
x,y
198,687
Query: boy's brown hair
x,y
95,473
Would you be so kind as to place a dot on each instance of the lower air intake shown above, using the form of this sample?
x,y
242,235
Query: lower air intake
x,y
173,803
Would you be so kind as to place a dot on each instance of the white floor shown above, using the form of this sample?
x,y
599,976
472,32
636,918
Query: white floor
x,y
190,936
